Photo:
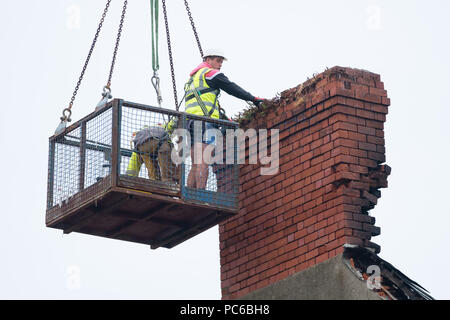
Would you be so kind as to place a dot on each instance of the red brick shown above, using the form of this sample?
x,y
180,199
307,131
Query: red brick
x,y
379,84
357,136
361,91
375,124
311,254
378,91
375,140
372,98
346,143
322,258
346,159
347,175
368,163
380,157
358,153
367,146
343,231
366,130
358,169
341,125
304,214
321,241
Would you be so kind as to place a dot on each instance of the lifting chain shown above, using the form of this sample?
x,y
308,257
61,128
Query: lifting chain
x,y
67,112
106,95
119,33
193,27
170,55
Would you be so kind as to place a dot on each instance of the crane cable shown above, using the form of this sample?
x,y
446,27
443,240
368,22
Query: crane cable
x,y
169,46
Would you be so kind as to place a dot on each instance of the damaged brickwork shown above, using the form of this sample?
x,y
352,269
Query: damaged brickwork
x,y
331,159
390,283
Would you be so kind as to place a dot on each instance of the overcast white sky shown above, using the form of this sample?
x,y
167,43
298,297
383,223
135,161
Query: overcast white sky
x,y
272,46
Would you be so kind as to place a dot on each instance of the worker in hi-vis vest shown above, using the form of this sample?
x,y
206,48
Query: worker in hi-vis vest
x,y
152,146
202,92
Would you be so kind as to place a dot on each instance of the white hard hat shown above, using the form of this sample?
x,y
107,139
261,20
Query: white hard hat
x,y
214,53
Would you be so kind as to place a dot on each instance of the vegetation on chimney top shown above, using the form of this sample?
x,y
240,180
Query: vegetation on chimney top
x,y
296,94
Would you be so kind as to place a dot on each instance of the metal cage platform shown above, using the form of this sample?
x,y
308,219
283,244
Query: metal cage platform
x,y
99,183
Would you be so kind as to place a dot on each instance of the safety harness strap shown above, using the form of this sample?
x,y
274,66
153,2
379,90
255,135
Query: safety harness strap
x,y
200,92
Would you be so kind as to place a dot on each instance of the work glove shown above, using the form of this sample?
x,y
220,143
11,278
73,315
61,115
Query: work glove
x,y
223,115
257,101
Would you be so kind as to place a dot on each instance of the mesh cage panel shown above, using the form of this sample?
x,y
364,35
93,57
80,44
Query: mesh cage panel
x,y
125,172
65,167
146,146
97,154
98,148
80,158
211,171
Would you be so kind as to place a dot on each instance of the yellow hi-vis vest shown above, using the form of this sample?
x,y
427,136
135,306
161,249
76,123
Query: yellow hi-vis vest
x,y
207,94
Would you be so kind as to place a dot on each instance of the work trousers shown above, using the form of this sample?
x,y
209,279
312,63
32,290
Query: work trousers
x,y
147,154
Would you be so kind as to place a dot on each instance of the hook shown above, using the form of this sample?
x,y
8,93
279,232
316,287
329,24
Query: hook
x,y
64,119
106,96
155,82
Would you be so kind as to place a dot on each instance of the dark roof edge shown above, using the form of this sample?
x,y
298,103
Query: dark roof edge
x,y
381,276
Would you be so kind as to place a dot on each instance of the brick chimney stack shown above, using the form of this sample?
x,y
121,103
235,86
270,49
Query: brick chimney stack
x,y
331,168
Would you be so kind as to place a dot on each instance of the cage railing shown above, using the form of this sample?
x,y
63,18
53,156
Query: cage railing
x,y
111,148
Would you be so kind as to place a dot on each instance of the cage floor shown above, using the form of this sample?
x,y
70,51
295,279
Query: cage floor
x,y
141,217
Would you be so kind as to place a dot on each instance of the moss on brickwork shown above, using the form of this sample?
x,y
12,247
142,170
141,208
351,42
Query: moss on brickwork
x,y
297,94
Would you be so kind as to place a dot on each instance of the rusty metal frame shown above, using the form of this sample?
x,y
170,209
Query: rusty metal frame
x,y
89,199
